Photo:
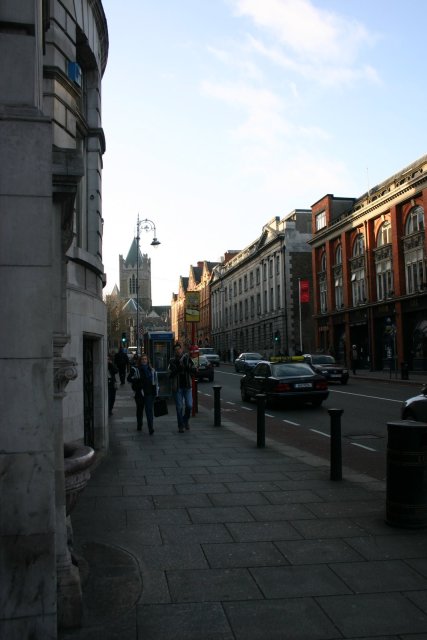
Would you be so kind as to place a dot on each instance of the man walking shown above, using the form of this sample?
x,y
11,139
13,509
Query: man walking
x,y
182,370
122,363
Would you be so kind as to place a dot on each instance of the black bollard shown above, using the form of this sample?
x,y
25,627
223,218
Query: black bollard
x,y
217,405
336,459
260,421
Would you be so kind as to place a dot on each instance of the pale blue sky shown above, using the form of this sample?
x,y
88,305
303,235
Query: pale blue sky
x,y
221,114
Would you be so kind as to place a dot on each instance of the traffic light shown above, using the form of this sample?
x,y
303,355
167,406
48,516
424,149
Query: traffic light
x,y
277,336
123,338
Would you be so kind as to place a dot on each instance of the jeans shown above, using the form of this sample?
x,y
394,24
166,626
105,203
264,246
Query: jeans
x,y
144,402
184,404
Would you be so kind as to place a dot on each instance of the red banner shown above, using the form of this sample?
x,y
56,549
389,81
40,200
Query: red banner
x,y
304,291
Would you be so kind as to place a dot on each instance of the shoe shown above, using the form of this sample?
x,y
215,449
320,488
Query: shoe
x,y
181,430
139,427
187,426
151,431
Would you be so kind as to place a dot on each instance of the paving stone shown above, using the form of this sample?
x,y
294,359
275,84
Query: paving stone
x,y
193,621
350,509
220,514
157,516
244,499
289,497
317,551
374,614
262,531
298,581
280,512
384,575
390,546
195,533
327,528
243,554
212,585
293,619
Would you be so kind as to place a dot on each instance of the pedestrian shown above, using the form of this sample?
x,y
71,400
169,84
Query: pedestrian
x,y
122,363
112,384
181,370
354,358
143,378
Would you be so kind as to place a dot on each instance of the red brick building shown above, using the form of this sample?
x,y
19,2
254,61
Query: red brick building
x,y
369,272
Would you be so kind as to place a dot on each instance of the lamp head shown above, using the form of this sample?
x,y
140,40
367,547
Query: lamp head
x,y
155,242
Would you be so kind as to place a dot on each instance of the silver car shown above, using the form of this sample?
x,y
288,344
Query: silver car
x,y
247,361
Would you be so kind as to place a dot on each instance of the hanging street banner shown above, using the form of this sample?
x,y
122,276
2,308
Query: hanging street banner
x,y
192,306
304,291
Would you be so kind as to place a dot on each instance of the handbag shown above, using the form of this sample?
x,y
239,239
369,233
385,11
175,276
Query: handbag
x,y
160,407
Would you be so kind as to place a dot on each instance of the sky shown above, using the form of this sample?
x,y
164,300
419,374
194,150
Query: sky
x,y
220,115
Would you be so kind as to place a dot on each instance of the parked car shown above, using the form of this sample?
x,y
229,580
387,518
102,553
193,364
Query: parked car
x,y
205,369
328,367
415,408
210,354
247,361
288,382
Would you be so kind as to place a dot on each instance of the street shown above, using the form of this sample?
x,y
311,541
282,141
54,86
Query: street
x,y
368,405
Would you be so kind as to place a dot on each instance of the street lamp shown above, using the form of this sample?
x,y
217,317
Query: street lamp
x,y
146,225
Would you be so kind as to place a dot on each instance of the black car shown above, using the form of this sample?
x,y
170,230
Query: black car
x,y
416,408
205,369
247,361
289,382
328,367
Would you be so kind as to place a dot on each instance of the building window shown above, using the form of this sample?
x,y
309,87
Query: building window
x,y
384,279
240,311
384,234
359,246
358,289
235,289
339,302
383,262
265,302
245,282
278,297
246,309
132,285
413,249
258,276
258,303
271,298
323,290
264,271
277,265
251,279
240,285
320,220
252,307
323,262
270,269
338,255
414,221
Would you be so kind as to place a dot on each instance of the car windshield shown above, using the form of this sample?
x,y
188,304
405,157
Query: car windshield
x,y
203,360
322,360
251,356
290,370
207,350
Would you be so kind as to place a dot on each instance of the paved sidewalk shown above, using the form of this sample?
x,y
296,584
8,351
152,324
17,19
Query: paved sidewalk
x,y
202,536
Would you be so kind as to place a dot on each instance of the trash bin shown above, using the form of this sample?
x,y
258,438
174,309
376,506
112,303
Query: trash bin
x,y
406,496
404,371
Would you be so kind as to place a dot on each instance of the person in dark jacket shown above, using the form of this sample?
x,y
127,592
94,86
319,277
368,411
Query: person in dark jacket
x,y
181,371
112,371
143,379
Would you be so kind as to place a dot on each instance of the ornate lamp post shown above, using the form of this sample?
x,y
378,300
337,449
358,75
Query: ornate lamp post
x,y
146,225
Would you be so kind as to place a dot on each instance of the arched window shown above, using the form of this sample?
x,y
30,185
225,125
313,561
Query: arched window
x,y
414,221
413,248
384,234
323,286
359,246
358,284
384,262
339,301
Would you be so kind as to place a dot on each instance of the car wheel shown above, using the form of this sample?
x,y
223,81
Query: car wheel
x,y
244,395
344,381
211,379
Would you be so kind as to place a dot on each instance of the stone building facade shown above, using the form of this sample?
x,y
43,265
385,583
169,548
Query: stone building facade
x,y
254,294
52,344
370,274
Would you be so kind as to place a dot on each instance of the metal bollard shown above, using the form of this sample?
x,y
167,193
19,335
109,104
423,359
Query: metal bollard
x,y
336,458
260,421
217,405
